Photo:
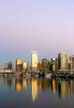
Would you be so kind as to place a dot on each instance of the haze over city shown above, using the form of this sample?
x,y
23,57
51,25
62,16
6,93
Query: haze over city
x,y
46,26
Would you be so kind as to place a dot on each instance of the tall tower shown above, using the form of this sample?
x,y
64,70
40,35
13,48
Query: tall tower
x,y
62,61
71,62
53,64
34,60
19,65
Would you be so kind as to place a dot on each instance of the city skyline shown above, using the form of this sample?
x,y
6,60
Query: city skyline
x,y
29,60
36,53
62,60
44,26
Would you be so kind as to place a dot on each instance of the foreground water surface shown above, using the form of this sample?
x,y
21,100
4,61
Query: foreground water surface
x,y
24,92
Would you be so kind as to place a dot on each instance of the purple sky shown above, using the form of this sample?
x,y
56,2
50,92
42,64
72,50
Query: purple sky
x,y
46,26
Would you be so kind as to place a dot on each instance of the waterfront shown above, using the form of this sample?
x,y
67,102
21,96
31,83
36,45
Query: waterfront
x,y
24,92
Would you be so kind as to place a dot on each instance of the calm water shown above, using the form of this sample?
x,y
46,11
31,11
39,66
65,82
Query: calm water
x,y
21,92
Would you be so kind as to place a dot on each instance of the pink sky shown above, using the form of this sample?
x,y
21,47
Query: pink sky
x,y
43,25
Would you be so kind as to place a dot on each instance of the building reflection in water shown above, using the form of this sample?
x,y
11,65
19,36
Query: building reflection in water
x,y
61,86
64,89
45,84
7,80
37,85
18,83
25,83
34,89
54,85
71,84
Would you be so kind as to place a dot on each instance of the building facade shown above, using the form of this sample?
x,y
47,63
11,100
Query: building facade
x,y
45,65
19,65
25,66
34,60
71,62
62,61
53,64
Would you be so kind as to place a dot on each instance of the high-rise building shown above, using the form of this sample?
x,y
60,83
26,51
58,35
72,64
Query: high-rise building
x,y
71,62
62,61
34,60
45,65
19,65
53,64
8,65
25,66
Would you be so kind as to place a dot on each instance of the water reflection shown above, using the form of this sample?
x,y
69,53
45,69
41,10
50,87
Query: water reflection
x,y
53,85
18,83
34,85
25,83
62,87
7,80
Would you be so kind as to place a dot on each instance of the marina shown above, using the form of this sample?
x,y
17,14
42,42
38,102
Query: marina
x,y
60,74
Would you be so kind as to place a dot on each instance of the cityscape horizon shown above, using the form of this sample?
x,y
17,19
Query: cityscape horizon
x,y
36,53
64,60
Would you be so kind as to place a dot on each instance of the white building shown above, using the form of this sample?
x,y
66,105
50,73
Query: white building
x,y
25,65
34,60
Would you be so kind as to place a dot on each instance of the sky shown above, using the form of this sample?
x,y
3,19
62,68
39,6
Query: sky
x,y
46,26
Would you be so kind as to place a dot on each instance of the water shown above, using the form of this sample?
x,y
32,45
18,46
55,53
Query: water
x,y
21,92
